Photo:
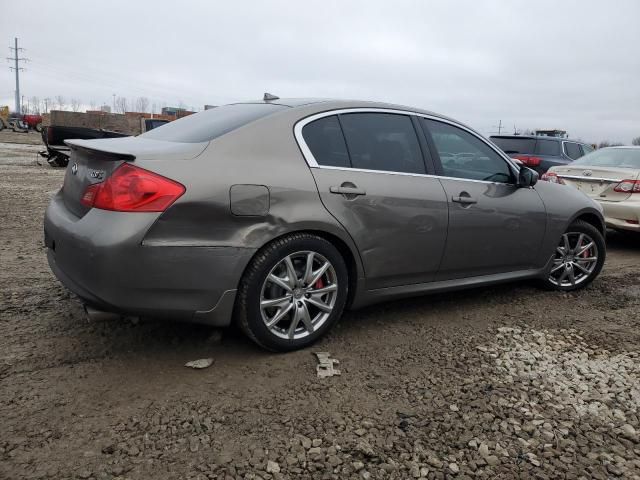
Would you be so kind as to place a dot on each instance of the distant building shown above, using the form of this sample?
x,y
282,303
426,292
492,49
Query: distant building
x,y
176,112
105,108
209,107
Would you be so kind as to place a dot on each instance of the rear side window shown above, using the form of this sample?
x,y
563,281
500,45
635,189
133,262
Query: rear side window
x,y
572,150
210,124
382,141
511,145
326,142
547,147
463,155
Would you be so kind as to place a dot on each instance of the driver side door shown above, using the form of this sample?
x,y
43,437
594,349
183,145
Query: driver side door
x,y
494,225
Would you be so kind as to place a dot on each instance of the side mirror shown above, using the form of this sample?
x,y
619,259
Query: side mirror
x,y
527,177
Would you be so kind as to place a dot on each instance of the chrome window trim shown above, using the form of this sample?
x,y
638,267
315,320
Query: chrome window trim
x,y
311,161
594,179
424,175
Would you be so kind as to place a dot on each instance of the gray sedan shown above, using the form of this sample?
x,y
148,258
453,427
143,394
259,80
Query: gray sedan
x,y
279,214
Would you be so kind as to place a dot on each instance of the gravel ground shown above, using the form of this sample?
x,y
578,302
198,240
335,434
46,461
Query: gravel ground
x,y
503,382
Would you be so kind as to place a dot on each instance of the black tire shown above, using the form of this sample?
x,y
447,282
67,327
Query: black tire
x,y
38,127
58,160
577,227
248,312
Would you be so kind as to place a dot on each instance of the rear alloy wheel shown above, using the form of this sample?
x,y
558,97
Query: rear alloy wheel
x,y
578,258
293,292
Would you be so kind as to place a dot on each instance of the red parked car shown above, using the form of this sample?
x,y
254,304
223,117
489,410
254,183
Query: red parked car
x,y
33,121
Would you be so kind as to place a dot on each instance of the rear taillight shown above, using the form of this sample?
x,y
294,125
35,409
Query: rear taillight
x,y
551,177
529,160
628,186
132,189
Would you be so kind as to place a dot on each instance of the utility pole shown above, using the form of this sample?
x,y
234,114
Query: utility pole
x,y
17,59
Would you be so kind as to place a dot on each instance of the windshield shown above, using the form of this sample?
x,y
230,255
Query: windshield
x,y
210,124
612,157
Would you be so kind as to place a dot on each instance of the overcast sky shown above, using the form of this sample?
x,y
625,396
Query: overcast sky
x,y
573,65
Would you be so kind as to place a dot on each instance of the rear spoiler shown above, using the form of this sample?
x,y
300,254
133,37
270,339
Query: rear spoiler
x,y
87,146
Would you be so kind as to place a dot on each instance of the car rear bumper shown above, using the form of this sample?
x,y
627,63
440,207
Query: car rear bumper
x,y
101,258
622,215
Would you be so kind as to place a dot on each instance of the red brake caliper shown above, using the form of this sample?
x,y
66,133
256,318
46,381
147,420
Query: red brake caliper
x,y
318,284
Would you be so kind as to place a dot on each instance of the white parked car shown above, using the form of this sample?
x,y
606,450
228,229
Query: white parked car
x,y
611,176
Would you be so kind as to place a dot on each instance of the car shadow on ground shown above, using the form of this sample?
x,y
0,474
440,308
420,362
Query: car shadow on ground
x,y
157,337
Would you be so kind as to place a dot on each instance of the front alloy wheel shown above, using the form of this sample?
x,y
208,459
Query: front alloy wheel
x,y
575,260
578,258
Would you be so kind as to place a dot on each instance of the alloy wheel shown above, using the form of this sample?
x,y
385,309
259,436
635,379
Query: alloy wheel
x,y
298,295
575,260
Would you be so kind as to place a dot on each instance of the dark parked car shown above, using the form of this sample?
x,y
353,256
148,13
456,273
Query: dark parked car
x,y
540,152
280,214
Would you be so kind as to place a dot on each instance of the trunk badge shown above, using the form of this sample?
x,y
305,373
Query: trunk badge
x,y
587,173
74,168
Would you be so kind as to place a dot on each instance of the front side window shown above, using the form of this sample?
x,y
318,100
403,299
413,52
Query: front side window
x,y
382,141
572,150
463,155
548,147
326,142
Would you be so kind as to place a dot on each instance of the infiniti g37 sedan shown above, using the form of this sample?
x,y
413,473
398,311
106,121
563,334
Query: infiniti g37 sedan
x,y
280,214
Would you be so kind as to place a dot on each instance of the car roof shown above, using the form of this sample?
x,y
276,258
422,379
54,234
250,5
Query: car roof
x,y
333,104
543,137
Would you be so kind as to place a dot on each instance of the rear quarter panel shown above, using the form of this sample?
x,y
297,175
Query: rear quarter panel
x,y
262,153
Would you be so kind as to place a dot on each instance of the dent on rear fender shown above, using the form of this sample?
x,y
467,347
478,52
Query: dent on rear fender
x,y
209,223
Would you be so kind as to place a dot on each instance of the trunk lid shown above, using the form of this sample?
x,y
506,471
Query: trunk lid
x,y
597,182
93,161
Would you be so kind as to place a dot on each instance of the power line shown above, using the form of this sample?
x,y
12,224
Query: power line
x,y
17,68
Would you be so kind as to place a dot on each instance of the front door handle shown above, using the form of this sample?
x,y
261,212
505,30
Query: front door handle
x,y
348,189
464,199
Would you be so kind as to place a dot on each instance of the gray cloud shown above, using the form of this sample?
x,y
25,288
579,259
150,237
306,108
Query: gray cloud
x,y
570,64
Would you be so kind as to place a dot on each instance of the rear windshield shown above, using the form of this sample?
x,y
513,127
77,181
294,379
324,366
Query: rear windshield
x,y
547,147
511,145
210,124
612,157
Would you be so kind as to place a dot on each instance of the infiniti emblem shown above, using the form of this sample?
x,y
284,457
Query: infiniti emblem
x,y
587,173
74,168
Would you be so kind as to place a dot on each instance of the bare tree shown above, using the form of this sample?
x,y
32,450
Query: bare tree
x,y
61,102
607,143
93,105
75,104
46,105
121,104
636,141
34,105
142,104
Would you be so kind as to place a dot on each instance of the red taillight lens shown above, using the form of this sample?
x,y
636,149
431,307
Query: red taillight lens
x,y
133,189
551,177
628,186
529,160
89,195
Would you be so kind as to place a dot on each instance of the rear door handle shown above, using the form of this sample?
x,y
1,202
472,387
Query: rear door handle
x,y
464,200
350,191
